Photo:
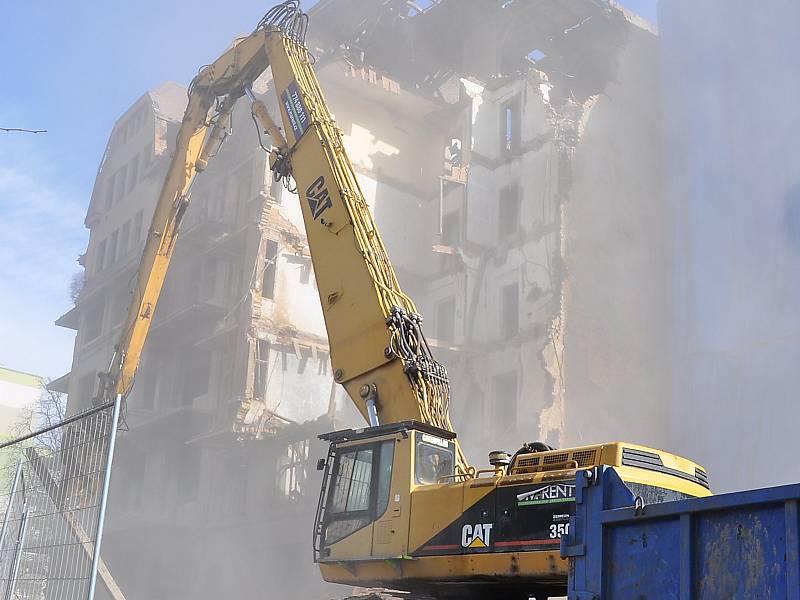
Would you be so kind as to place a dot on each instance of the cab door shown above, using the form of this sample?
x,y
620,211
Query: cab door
x,y
347,527
358,495
390,534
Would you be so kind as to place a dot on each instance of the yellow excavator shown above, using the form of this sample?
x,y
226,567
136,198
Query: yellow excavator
x,y
400,507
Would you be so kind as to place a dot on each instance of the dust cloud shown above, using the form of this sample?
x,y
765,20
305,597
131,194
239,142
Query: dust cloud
x,y
599,224
730,79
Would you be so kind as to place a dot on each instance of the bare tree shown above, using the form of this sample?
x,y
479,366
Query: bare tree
x,y
47,411
76,285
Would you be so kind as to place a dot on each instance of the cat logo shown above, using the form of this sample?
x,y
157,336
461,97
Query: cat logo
x,y
319,200
476,536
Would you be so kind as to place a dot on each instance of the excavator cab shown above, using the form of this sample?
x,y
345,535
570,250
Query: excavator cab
x,y
369,475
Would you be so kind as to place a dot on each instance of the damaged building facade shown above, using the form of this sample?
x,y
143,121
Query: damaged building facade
x,y
234,385
507,151
545,285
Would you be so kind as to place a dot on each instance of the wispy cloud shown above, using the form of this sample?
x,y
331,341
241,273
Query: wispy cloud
x,y
41,237
42,232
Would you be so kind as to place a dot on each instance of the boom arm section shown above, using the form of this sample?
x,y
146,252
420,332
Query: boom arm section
x,y
159,246
204,128
378,351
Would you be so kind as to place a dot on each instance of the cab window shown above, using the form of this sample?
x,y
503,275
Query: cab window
x,y
353,478
361,487
384,478
435,459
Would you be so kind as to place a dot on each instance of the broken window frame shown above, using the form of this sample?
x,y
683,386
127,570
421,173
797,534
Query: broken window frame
x,y
293,470
451,228
262,350
269,271
452,236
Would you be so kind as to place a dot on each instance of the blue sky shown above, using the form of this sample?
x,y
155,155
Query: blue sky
x,y
76,67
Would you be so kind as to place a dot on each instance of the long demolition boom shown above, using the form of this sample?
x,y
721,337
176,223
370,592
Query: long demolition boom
x,y
378,351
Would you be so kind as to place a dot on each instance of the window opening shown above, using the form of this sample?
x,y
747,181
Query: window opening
x,y
125,238
134,173
112,247
109,191
510,126
197,365
384,477
262,369
508,211
351,490
292,472
93,323
270,260
451,236
100,259
361,489
451,228
122,177
435,458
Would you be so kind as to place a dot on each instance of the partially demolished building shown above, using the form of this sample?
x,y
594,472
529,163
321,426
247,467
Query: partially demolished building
x,y
546,276
506,149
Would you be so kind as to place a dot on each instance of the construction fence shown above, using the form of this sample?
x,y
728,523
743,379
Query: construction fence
x,y
53,491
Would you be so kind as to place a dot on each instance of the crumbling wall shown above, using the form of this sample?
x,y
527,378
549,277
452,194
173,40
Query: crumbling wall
x,y
494,273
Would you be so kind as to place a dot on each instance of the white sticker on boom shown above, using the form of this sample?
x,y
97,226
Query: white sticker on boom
x,y
432,439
